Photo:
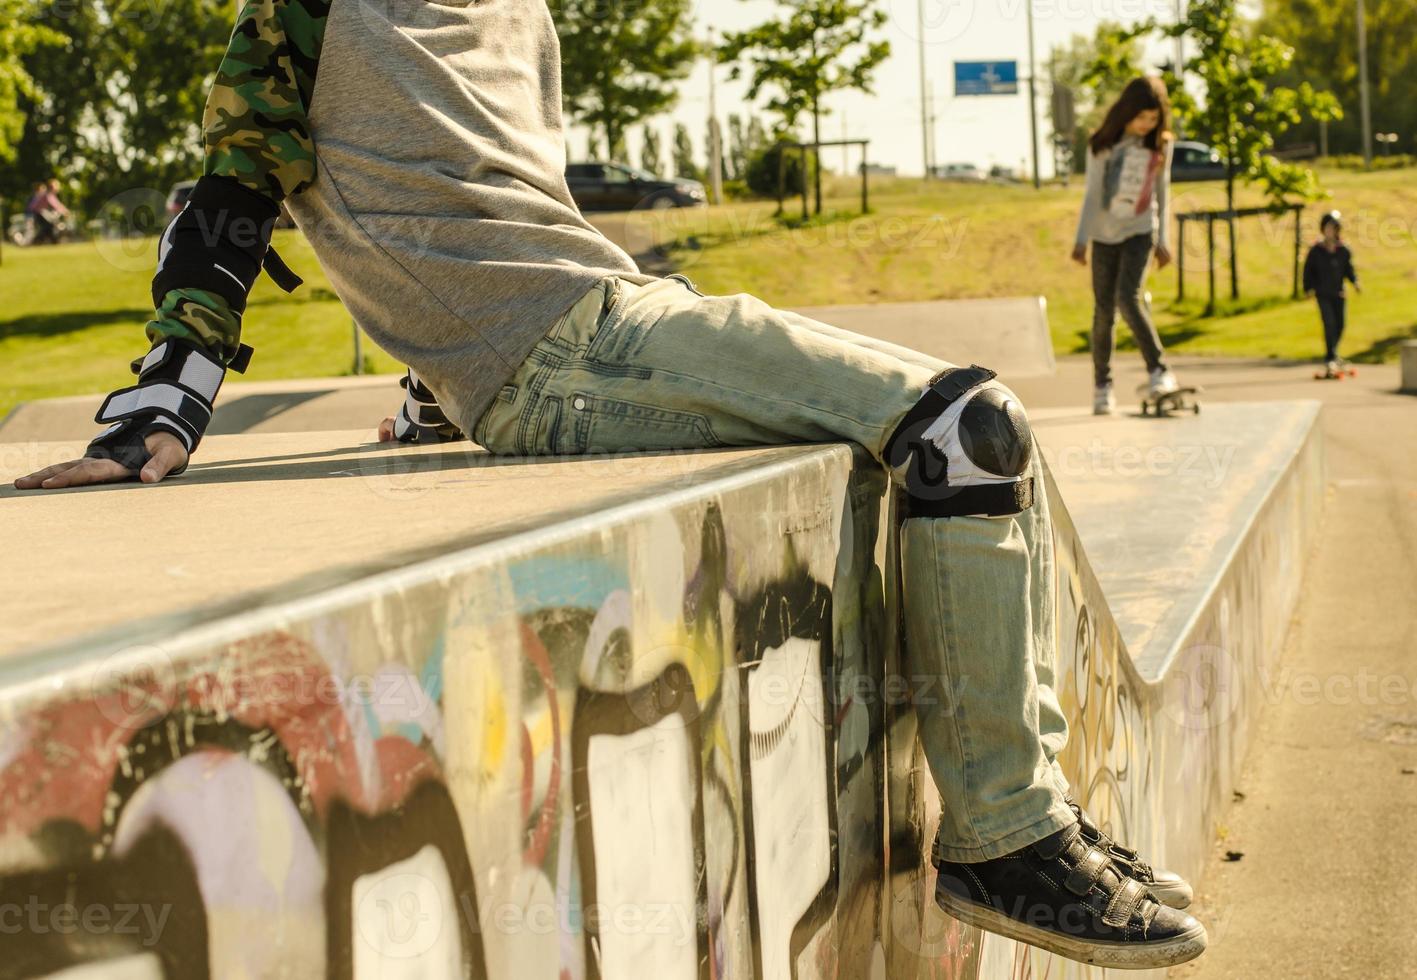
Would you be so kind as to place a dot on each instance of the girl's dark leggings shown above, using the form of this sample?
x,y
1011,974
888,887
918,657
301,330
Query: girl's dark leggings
x,y
1334,310
1118,279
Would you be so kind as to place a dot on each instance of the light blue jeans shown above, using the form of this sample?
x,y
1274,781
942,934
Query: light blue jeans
x,y
662,367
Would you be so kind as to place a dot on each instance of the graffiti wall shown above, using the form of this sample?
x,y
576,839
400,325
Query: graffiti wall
x,y
660,747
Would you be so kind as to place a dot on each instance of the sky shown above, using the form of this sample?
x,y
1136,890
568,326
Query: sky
x,y
984,130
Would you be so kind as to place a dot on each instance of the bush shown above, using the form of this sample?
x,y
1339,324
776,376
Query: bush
x,y
1354,161
736,190
762,171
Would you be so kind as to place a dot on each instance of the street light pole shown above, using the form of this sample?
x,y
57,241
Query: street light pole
x,y
715,131
1180,42
1363,85
1033,98
924,88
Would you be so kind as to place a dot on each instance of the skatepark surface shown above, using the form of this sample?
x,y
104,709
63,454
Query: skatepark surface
x,y
1158,504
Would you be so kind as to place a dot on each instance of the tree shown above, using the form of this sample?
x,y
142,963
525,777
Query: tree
x,y
1244,109
1096,69
684,165
1324,36
19,39
618,149
713,134
736,159
651,154
757,135
620,61
815,48
117,106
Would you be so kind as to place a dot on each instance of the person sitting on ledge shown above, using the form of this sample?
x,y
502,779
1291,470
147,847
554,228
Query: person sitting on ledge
x,y
419,147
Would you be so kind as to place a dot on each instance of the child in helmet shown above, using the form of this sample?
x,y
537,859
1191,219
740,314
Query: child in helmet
x,y
1326,271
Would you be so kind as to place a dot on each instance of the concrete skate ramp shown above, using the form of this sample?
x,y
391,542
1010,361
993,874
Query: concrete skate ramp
x,y
307,405
1008,334
600,718
1164,505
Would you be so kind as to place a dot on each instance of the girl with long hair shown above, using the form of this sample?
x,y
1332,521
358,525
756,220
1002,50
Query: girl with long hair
x,y
1125,216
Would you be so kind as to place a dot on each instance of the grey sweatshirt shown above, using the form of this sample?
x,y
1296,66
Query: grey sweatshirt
x,y
440,212
1128,194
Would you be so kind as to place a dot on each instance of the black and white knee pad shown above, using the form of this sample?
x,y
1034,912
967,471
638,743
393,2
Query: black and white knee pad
x,y
177,387
422,419
964,450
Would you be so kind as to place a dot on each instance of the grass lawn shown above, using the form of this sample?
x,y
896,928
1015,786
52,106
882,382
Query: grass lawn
x,y
947,241
71,317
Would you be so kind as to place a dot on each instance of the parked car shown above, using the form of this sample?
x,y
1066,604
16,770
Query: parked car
x,y
620,187
177,200
1195,161
966,172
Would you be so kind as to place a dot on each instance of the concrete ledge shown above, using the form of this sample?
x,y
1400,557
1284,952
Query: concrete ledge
x,y
577,712
1008,334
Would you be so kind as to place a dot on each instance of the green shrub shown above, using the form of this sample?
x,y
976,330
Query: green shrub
x,y
1353,161
763,173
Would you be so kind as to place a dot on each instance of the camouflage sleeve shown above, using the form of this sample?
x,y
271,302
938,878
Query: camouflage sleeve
x,y
255,131
255,126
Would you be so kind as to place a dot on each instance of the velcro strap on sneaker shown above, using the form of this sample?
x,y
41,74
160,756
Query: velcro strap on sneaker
x,y
1085,874
421,418
1124,904
178,382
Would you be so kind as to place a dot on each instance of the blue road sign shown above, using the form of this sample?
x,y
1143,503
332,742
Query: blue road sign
x,y
986,78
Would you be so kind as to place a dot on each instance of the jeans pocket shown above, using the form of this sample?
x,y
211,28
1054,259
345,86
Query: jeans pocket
x,y
617,335
614,425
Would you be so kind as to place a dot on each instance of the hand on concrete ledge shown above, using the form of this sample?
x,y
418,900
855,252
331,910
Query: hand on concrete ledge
x,y
386,430
168,454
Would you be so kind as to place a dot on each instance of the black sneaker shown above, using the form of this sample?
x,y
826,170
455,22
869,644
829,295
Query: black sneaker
x,y
1168,887
1066,896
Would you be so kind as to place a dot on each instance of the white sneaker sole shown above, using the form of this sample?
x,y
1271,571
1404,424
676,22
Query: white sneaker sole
x,y
1116,956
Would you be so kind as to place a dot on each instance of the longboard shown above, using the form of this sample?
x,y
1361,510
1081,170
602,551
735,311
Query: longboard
x,y
1160,406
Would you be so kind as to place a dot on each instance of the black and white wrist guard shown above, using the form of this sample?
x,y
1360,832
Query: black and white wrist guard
x,y
421,419
177,386
219,243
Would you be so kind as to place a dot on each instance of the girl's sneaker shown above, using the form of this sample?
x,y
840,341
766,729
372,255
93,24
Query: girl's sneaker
x,y
1163,382
1102,400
